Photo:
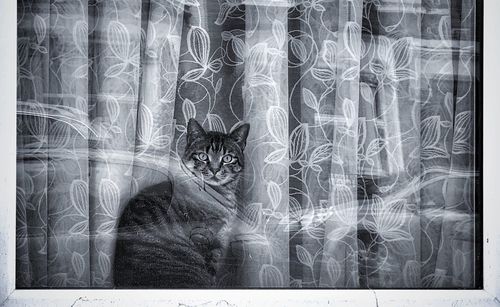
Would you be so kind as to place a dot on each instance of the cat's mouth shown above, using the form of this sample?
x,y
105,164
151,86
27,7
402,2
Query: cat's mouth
x,y
215,180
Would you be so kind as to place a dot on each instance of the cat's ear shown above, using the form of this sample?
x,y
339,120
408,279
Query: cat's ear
x,y
240,134
194,131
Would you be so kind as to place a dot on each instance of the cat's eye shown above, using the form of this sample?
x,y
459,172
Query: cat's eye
x,y
202,156
228,159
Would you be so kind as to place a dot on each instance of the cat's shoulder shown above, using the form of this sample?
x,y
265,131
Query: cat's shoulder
x,y
150,201
160,191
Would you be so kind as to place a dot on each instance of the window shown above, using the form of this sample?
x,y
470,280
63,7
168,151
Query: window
x,y
381,294
352,128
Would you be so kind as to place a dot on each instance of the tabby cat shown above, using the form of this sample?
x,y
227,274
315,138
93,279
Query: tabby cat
x,y
173,234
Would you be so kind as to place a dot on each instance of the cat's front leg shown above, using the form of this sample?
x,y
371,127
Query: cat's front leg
x,y
213,260
202,238
218,250
211,246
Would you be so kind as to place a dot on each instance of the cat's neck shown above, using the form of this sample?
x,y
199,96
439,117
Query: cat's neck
x,y
228,191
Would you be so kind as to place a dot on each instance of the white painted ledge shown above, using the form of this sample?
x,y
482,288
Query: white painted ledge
x,y
455,298
241,298
206,298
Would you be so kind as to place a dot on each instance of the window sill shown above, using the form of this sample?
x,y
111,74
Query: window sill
x,y
379,298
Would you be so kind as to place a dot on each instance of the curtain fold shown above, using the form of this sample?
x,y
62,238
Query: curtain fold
x,y
361,163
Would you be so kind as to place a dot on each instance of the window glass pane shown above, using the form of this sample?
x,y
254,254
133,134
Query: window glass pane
x,y
243,144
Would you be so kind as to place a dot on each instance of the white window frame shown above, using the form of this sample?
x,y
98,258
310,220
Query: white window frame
x,y
489,296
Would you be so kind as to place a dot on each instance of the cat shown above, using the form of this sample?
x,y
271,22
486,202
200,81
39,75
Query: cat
x,y
174,234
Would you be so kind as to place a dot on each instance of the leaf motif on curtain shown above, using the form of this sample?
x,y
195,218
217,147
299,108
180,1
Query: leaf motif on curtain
x,y
304,256
318,155
104,264
78,264
299,142
298,49
79,192
40,28
109,197
461,138
431,136
225,8
270,276
411,274
216,123
274,194
343,205
389,220
352,37
334,270
80,32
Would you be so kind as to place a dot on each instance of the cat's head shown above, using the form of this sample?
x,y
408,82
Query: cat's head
x,y
216,158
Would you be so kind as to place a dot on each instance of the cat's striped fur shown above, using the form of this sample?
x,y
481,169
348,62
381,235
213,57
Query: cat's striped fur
x,y
172,235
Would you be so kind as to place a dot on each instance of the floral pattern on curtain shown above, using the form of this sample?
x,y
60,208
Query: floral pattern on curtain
x,y
361,166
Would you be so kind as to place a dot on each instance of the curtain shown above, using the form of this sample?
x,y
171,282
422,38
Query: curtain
x,y
362,161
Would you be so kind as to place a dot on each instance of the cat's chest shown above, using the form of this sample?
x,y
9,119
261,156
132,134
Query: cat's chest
x,y
201,216
196,203
196,210
203,221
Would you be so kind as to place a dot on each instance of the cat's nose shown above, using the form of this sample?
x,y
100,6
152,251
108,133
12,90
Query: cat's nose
x,y
215,170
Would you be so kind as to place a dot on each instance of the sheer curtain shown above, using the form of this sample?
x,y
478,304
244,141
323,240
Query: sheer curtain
x,y
361,167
